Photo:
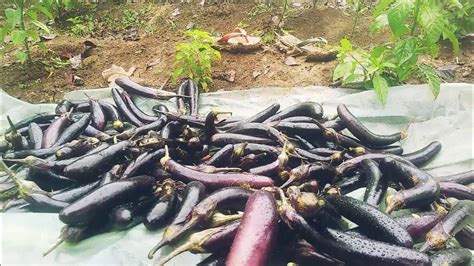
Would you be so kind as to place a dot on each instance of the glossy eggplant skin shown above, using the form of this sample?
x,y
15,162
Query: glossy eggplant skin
x,y
73,131
310,109
193,90
222,139
193,194
97,114
465,237
258,117
38,118
363,133
35,134
419,224
72,194
160,213
105,198
145,118
112,114
456,190
43,203
350,249
91,166
124,110
372,222
257,231
220,157
142,162
376,184
464,178
52,133
424,155
452,257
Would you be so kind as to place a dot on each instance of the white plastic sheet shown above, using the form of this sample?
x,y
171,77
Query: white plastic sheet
x,y
448,119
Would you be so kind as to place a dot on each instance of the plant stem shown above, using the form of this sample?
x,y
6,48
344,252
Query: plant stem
x,y
283,12
415,19
22,26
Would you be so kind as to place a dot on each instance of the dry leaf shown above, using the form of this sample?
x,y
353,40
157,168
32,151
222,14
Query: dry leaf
x,y
115,72
291,61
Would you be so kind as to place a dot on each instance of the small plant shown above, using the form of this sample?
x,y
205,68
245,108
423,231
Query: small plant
x,y
194,58
55,63
81,25
22,25
417,27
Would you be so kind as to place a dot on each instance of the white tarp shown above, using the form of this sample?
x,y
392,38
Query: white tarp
x,y
448,119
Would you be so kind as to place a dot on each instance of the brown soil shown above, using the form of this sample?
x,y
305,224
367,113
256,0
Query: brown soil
x,y
160,33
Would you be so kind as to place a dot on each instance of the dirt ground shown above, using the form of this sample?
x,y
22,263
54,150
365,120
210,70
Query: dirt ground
x,y
160,31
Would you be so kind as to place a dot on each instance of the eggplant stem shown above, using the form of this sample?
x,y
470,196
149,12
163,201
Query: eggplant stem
x,y
157,247
53,247
12,126
184,247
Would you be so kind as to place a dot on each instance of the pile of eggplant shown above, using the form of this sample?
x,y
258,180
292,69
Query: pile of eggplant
x,y
269,189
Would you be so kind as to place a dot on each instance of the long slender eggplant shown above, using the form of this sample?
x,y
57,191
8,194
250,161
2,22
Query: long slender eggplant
x,y
76,148
425,154
258,117
97,115
104,199
376,184
306,254
52,133
72,194
222,139
35,134
217,180
310,109
142,116
131,213
464,178
124,110
418,224
220,157
182,104
257,231
73,131
322,172
259,129
192,196
274,167
456,219
371,221
355,126
43,203
89,167
351,249
40,153
37,118
160,213
424,191
111,176
171,130
48,179
137,89
15,139
112,114
93,132
349,165
457,191
63,106
349,184
451,257
144,160
206,241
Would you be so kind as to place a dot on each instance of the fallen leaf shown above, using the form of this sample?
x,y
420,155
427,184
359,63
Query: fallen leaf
x,y
291,61
176,12
151,63
229,75
115,72
77,81
256,73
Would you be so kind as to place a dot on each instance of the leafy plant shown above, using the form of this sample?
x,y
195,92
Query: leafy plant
x,y
417,27
81,25
23,27
194,58
61,8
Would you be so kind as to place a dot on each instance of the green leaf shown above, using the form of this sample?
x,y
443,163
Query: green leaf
x,y
13,16
21,56
346,45
405,51
18,36
433,79
32,14
432,22
379,22
43,10
382,5
4,32
380,87
33,34
448,34
397,14
41,25
342,69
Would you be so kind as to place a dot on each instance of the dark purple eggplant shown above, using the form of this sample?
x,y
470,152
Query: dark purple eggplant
x,y
217,180
320,171
104,199
112,114
349,165
182,104
464,178
52,133
63,106
48,179
144,160
260,130
351,249
171,130
124,110
91,166
258,117
193,194
35,134
37,118
206,241
76,148
43,203
452,257
349,184
257,231
424,155
193,90
421,190
93,132
220,157
455,190
142,116
222,139
160,213
456,219
310,109
111,176
372,222
376,184
97,115
72,194
306,254
137,89
73,131
132,213
357,128
465,237
40,153
418,224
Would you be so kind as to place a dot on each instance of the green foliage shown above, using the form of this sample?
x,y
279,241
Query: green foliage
x,y
128,18
194,58
81,25
417,26
23,26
